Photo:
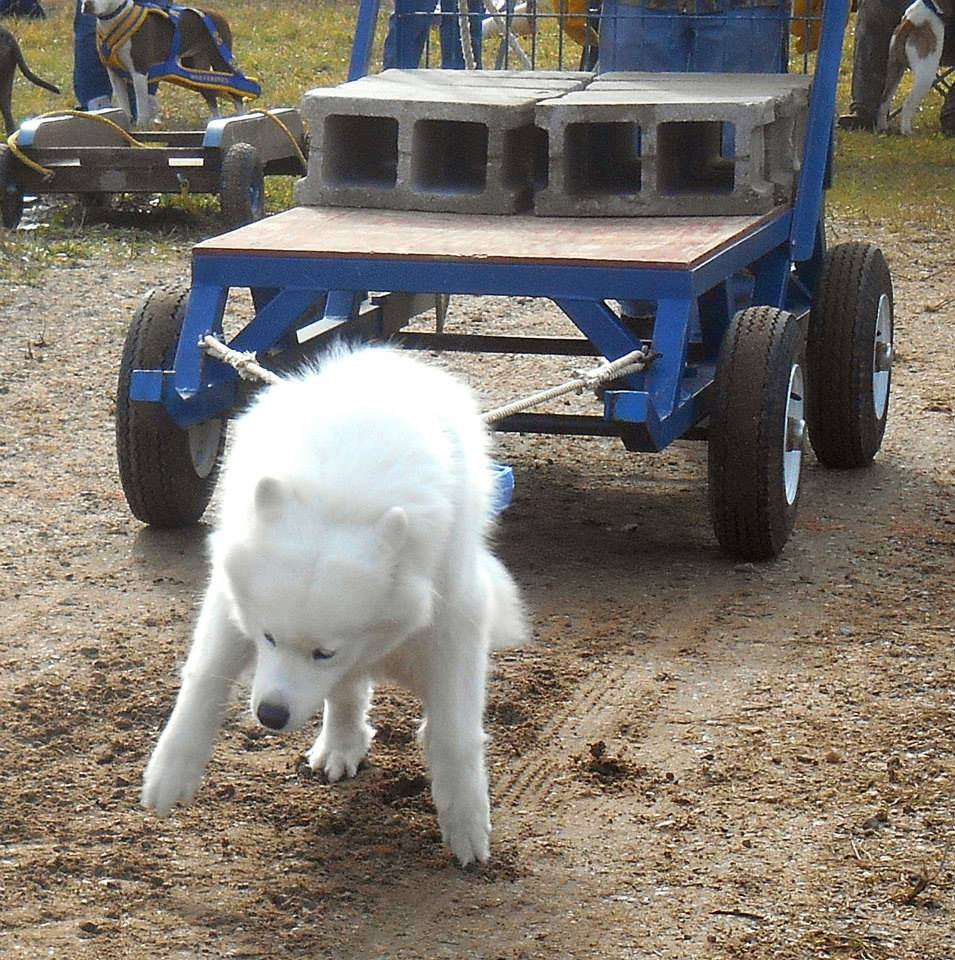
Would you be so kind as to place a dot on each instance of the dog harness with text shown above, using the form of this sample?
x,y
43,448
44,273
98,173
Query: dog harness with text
x,y
119,27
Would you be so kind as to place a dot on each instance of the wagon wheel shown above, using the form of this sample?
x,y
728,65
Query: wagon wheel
x,y
756,433
849,354
241,186
11,193
168,473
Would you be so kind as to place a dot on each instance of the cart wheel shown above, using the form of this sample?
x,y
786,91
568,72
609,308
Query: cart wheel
x,y
756,433
168,473
241,186
849,355
11,193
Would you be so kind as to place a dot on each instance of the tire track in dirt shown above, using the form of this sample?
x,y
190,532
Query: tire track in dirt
x,y
598,705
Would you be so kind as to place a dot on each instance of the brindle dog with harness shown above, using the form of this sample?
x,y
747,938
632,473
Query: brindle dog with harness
x,y
145,42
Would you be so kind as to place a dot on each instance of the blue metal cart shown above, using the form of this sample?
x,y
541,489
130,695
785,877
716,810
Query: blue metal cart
x,y
805,338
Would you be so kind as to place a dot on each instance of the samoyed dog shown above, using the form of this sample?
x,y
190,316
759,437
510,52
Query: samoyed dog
x,y
352,546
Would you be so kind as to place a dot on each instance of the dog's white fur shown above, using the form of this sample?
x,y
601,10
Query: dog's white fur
x,y
354,521
916,44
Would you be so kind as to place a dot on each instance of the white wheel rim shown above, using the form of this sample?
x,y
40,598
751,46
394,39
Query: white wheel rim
x,y
882,356
204,446
795,434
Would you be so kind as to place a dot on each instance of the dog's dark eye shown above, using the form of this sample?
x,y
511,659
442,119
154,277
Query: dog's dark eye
x,y
270,640
319,654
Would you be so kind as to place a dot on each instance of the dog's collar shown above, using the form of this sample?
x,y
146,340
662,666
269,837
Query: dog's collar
x,y
115,13
930,5
112,34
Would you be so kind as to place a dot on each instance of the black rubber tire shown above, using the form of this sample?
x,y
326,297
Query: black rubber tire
x,y
167,477
11,193
846,416
752,511
241,186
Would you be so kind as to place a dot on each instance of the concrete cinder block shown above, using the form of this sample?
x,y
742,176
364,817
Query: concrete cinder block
x,y
571,144
448,141
639,144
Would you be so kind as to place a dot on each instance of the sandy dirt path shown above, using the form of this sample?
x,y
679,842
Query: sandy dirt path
x,y
692,759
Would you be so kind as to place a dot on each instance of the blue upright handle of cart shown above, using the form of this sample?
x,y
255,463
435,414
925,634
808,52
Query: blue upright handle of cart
x,y
364,38
822,111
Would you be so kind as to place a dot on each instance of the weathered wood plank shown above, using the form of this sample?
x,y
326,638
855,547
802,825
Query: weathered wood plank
x,y
678,242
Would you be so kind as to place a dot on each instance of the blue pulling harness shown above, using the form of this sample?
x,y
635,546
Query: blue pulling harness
x,y
129,18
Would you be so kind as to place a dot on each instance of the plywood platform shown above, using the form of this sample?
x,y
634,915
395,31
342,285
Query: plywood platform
x,y
341,233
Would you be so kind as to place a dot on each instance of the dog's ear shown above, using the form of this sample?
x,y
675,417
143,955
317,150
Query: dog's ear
x,y
392,531
270,499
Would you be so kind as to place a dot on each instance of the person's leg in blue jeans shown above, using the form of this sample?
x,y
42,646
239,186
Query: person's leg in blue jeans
x,y
410,24
452,56
90,80
407,34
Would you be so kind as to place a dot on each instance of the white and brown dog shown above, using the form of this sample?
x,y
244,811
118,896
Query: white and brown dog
x,y
145,42
916,45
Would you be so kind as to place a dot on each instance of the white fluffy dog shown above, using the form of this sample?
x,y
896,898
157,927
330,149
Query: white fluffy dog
x,y
353,546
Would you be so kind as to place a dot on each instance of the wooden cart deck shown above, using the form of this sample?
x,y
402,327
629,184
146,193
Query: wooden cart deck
x,y
679,243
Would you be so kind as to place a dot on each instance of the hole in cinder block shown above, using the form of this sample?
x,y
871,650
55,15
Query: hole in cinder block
x,y
525,158
602,158
360,152
449,156
695,157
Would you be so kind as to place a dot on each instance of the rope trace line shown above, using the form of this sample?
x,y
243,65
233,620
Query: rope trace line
x,y
633,362
247,366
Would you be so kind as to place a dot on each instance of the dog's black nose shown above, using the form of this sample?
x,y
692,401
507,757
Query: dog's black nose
x,y
272,715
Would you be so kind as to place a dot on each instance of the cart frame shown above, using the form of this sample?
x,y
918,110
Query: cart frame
x,y
306,293
94,155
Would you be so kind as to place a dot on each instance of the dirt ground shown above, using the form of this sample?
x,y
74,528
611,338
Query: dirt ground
x,y
692,759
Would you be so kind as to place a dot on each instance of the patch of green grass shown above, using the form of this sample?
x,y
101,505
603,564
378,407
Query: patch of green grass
x,y
887,177
896,179
293,47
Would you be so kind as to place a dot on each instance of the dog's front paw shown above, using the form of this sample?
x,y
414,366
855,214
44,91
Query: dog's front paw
x,y
466,829
172,776
340,757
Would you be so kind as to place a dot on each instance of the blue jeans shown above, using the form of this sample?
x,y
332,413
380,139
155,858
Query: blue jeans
x,y
410,24
90,79
735,38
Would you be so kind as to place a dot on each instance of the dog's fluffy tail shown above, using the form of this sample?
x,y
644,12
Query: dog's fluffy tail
x,y
509,625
